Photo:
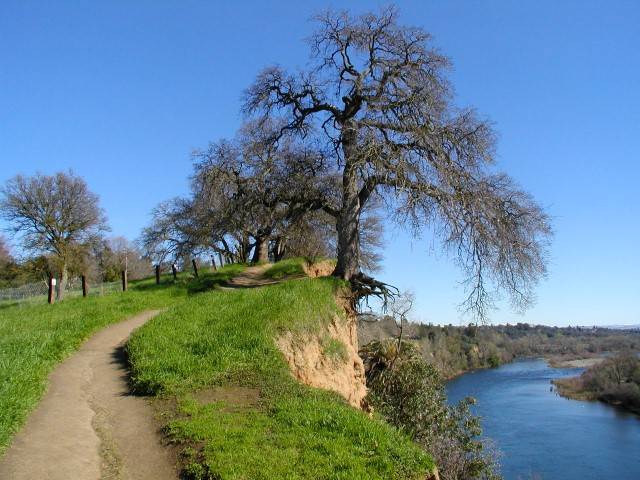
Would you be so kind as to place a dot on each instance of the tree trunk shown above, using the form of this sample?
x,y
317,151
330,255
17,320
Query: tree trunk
x,y
348,224
62,283
243,248
279,249
348,240
261,250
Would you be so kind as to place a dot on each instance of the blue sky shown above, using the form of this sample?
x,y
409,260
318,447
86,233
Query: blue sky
x,y
121,92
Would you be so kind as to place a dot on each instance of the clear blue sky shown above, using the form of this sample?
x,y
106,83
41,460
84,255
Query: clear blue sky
x,y
122,91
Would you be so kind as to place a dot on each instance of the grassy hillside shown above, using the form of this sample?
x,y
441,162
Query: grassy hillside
x,y
231,404
35,338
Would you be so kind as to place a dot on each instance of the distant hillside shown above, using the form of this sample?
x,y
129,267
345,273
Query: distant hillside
x,y
622,327
454,350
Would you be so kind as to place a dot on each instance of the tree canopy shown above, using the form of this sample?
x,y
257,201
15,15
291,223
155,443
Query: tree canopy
x,y
55,214
5,252
247,195
377,97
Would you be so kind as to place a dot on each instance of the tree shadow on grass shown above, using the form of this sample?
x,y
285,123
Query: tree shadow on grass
x,y
209,281
120,358
9,305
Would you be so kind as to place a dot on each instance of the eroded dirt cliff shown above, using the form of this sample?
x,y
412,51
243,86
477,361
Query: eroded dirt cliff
x,y
329,358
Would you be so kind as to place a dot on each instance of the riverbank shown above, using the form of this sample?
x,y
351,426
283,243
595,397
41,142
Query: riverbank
x,y
573,389
543,435
455,350
572,361
612,380
554,361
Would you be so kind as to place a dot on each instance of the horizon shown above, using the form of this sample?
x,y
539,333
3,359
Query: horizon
x,y
121,94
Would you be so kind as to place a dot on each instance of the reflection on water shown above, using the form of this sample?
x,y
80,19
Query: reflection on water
x,y
543,435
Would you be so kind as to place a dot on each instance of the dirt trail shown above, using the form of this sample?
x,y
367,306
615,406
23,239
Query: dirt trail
x,y
88,425
252,277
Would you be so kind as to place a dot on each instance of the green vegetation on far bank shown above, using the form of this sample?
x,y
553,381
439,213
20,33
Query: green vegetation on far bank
x,y
35,338
454,350
615,380
228,399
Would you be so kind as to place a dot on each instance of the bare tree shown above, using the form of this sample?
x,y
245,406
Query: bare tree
x,y
377,93
54,214
312,237
116,254
401,305
229,188
260,189
176,230
253,199
5,253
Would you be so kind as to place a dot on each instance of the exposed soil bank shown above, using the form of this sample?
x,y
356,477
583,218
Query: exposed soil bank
x,y
322,268
329,360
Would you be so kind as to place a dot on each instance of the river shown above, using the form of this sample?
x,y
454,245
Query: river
x,y
544,436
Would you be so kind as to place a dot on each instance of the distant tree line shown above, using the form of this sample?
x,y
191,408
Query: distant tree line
x,y
453,350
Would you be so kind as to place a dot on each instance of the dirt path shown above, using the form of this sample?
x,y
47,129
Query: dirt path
x,y
88,426
252,277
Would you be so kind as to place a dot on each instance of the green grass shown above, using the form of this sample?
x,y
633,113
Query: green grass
x,y
334,348
224,340
286,268
209,341
35,338
210,280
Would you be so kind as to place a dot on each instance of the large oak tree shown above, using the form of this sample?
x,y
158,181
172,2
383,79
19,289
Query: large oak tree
x,y
377,93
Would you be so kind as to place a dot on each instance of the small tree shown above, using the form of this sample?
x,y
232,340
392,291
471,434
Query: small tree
x,y
376,92
54,214
175,231
115,254
5,253
410,394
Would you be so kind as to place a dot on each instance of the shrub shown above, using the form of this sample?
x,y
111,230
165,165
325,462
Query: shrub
x,y
409,393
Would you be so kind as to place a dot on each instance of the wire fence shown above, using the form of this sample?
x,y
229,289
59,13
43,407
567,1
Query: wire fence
x,y
28,290
37,292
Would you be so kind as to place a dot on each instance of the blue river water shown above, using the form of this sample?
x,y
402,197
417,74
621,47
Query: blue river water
x,y
544,436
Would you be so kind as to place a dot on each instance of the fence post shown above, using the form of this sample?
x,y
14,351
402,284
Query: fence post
x,y
85,289
174,270
124,281
158,274
50,296
195,267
